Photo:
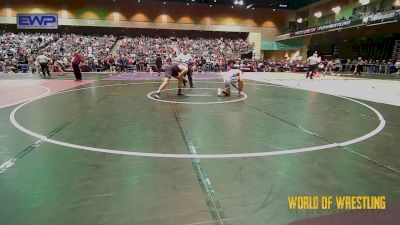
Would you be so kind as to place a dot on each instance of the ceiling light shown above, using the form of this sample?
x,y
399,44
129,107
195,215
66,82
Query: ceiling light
x,y
238,2
249,6
318,14
364,2
336,9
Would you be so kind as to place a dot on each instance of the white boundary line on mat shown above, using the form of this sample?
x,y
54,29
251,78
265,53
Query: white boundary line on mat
x,y
149,95
372,133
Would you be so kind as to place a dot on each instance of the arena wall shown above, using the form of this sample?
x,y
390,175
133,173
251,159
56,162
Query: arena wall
x,y
154,15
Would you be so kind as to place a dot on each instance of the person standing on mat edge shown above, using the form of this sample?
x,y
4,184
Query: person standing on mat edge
x,y
43,61
159,64
185,57
77,58
359,67
174,70
312,65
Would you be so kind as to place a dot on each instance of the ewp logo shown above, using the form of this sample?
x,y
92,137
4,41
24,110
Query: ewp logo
x,y
37,21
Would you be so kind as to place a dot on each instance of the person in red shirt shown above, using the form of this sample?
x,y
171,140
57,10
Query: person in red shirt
x,y
77,58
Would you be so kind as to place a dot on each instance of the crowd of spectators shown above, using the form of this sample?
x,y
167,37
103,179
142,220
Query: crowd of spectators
x,y
215,48
372,66
135,53
325,66
209,54
96,50
141,52
22,48
18,53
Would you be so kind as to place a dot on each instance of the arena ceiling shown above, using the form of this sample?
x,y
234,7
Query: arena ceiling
x,y
275,4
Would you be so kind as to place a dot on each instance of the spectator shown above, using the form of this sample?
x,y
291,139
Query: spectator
x,y
397,65
359,66
338,66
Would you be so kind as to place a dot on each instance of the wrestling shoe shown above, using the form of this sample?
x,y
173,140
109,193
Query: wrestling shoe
x,y
157,95
219,92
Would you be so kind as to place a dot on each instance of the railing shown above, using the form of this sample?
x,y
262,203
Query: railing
x,y
371,68
343,69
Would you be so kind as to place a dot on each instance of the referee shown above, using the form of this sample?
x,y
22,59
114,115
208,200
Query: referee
x,y
186,58
43,61
312,65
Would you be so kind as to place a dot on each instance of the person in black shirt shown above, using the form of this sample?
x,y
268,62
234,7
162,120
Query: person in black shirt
x,y
359,67
158,64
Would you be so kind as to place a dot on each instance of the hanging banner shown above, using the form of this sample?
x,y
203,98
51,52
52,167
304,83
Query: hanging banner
x,y
328,27
37,21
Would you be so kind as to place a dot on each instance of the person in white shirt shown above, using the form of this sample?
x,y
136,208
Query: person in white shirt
x,y
90,49
338,66
359,67
397,65
312,65
329,67
43,61
185,58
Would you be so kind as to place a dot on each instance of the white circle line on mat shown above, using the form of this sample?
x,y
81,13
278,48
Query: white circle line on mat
x,y
149,95
378,129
